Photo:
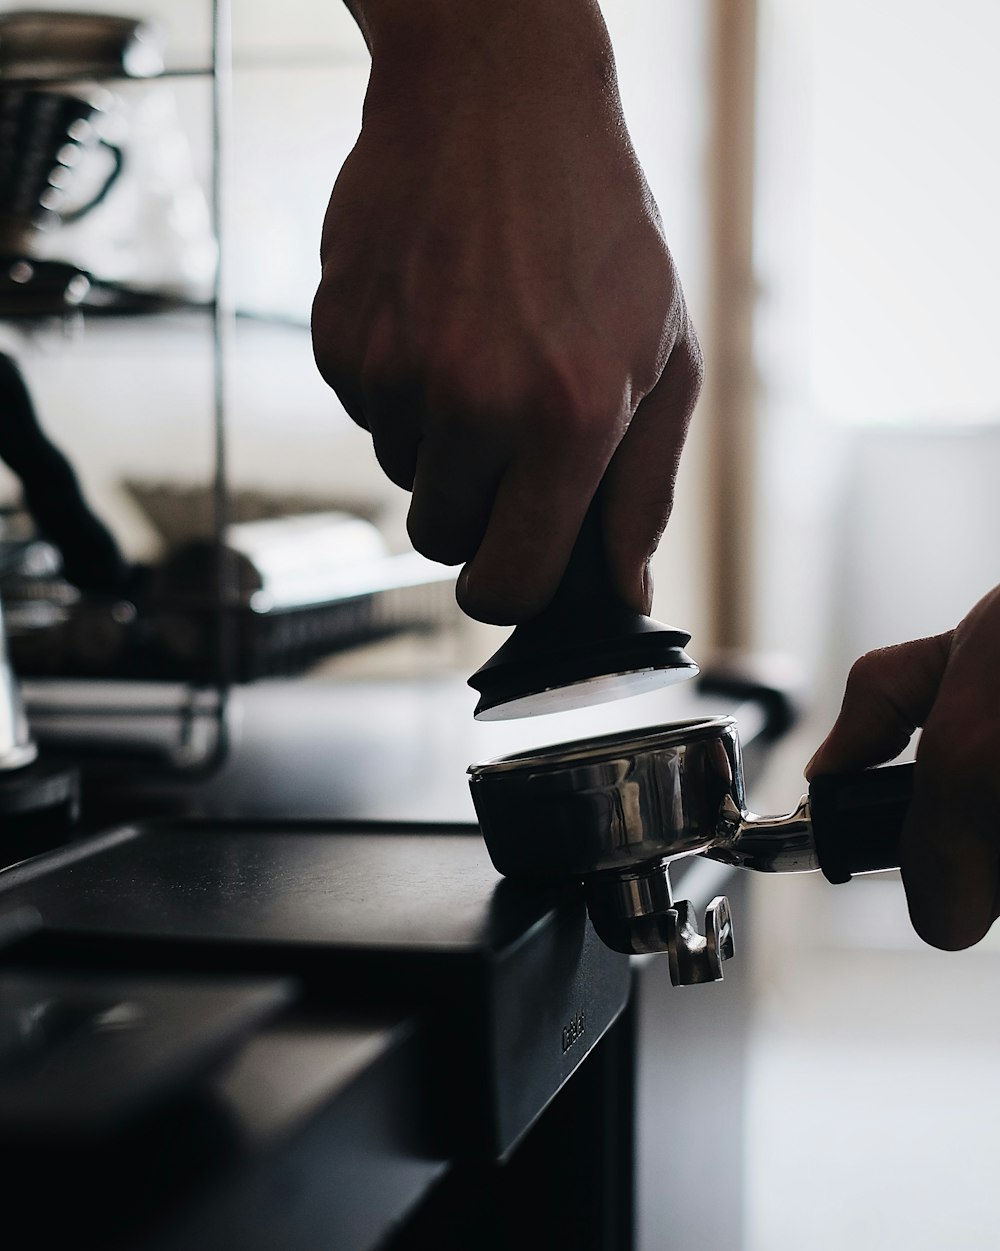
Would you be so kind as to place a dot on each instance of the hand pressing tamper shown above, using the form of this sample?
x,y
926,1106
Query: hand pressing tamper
x,y
586,647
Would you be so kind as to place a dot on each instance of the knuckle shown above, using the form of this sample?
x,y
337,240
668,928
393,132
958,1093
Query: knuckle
x,y
331,340
692,358
866,672
376,371
328,355
440,543
581,408
458,378
495,602
454,394
875,675
903,680
547,377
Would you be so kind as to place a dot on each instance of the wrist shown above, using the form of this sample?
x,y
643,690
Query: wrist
x,y
419,22
460,40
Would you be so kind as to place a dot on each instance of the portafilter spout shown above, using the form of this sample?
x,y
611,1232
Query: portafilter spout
x,y
614,812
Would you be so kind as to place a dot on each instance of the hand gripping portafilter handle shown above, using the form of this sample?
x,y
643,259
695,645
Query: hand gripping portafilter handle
x,y
857,819
587,644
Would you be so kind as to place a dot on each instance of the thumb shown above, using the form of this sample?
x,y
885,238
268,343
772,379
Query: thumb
x,y
638,486
889,694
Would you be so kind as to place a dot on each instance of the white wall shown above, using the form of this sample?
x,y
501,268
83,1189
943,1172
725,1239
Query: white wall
x,y
877,258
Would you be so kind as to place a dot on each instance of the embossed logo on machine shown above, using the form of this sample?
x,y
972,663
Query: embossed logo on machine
x,y
574,1030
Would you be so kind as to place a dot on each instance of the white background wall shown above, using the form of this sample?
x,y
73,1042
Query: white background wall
x,y
877,258
874,1080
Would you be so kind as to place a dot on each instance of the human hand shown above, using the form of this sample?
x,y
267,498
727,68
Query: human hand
x,y
498,305
950,843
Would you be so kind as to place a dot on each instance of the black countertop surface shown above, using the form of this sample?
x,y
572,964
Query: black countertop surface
x,y
331,874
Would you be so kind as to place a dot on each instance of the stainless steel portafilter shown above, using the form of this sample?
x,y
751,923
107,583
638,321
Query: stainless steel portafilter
x,y
614,812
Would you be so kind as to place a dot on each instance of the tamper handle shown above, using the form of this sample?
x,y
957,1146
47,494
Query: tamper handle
x,y
857,819
587,575
585,647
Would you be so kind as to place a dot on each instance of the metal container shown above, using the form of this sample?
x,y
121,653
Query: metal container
x,y
615,811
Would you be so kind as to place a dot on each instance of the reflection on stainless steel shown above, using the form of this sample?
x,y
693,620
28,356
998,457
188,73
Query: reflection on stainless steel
x,y
636,913
17,748
100,203
152,725
296,589
769,844
609,803
616,811
44,46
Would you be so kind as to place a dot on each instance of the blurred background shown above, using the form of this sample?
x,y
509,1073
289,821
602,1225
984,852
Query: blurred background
x,y
877,419
823,169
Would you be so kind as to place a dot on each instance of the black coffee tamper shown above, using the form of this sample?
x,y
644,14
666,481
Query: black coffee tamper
x,y
586,647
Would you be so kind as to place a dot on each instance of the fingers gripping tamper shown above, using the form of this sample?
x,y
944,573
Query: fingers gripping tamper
x,y
587,647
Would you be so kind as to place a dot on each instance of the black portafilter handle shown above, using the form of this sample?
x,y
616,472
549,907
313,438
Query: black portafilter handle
x,y
857,819
587,634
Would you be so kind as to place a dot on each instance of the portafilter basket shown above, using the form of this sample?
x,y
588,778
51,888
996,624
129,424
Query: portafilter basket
x,y
615,811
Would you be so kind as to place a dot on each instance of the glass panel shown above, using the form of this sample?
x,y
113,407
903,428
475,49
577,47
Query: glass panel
x,y
182,28
107,334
